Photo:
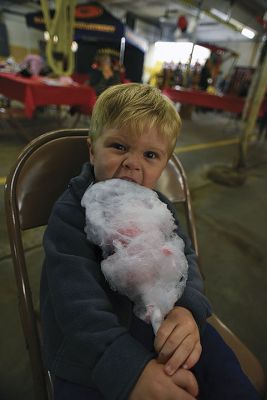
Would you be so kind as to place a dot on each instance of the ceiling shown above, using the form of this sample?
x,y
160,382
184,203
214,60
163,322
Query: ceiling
x,y
165,14
202,26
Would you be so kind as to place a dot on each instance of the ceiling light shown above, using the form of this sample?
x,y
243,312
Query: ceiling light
x,y
46,36
162,19
219,14
231,23
248,33
74,46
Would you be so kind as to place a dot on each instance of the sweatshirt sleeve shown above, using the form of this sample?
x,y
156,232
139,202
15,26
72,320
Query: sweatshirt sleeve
x,y
193,297
96,349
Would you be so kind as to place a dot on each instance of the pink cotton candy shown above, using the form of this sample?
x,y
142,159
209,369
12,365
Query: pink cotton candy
x,y
143,256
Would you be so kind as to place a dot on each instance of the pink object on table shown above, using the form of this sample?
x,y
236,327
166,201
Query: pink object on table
x,y
33,63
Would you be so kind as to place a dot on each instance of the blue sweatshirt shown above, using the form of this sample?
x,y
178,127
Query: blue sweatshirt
x,y
85,325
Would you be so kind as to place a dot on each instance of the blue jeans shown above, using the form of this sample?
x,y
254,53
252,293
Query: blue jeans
x,y
218,372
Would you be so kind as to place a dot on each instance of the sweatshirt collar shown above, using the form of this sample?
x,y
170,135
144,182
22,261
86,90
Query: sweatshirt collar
x,y
80,183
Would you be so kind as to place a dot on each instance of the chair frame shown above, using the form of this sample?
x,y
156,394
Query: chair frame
x,y
41,379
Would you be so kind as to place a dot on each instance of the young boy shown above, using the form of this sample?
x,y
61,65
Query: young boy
x,y
93,345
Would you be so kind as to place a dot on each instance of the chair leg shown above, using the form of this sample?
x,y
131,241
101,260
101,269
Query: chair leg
x,y
19,130
49,383
76,120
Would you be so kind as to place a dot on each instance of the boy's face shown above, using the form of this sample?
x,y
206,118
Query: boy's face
x,y
118,154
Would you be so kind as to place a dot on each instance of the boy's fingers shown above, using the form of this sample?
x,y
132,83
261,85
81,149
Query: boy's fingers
x,y
164,331
175,339
194,357
180,355
169,328
179,322
186,380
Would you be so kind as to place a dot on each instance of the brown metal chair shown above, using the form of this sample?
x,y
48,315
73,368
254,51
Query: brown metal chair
x,y
39,176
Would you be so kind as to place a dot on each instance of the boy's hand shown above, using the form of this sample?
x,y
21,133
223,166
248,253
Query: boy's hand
x,y
177,341
154,384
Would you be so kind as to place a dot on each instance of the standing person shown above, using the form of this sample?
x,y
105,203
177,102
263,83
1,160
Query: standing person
x,y
205,75
178,75
104,76
93,344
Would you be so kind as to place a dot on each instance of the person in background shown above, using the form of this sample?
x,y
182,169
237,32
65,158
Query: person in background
x,y
104,75
178,75
205,75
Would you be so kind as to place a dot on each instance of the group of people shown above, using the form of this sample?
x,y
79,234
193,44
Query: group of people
x,y
94,344
203,77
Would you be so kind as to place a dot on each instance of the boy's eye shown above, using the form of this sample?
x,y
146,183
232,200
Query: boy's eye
x,y
118,146
150,154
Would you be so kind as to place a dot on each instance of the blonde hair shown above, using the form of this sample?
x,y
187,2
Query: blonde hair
x,y
137,107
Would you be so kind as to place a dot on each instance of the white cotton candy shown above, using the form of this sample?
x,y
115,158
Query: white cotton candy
x,y
143,256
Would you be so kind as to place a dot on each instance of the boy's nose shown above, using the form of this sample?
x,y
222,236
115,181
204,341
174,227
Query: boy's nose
x,y
132,161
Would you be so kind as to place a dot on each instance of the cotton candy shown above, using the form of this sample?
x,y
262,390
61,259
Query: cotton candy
x,y
143,257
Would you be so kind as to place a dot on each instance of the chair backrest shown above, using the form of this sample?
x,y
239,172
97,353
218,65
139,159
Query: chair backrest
x,y
40,175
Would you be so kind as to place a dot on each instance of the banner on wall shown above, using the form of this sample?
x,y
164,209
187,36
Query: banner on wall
x,y
4,46
96,31
92,21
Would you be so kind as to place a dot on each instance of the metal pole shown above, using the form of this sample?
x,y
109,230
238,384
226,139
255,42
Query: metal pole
x,y
122,50
253,112
194,35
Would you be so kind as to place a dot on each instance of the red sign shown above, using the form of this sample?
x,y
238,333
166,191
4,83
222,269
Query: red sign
x,y
88,11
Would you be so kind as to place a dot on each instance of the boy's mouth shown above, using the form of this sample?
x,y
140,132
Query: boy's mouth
x,y
127,178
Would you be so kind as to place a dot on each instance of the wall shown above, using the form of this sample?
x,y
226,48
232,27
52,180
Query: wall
x,y
248,51
22,40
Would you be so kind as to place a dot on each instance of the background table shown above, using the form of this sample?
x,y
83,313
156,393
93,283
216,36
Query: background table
x,y
200,98
33,92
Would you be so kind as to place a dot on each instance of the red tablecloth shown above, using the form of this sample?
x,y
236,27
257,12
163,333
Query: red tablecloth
x,y
33,92
233,104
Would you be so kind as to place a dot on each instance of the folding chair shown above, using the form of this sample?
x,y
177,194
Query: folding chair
x,y
39,176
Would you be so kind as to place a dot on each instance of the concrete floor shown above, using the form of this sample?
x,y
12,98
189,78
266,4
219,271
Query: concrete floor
x,y
231,228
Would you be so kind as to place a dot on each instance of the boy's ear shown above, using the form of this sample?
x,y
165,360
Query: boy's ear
x,y
90,149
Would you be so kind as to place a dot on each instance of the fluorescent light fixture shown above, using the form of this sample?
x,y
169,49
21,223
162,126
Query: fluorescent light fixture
x,y
233,23
219,14
248,33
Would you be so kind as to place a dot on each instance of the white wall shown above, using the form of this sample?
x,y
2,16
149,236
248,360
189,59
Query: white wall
x,y
248,51
18,32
